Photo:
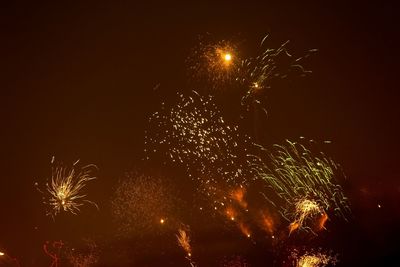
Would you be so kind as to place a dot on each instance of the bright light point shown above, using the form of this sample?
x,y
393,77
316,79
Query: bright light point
x,y
228,57
162,221
255,85
232,218
189,254
2,253
273,237
248,235
379,206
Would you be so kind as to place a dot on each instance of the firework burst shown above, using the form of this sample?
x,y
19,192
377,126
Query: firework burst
x,y
303,184
65,190
193,134
215,63
312,258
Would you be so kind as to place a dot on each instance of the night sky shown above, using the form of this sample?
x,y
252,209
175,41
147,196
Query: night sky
x,y
80,80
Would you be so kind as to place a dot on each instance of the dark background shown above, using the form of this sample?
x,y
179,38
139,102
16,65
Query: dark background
x,y
77,81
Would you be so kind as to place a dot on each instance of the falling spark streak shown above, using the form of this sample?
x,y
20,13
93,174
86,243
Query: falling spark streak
x,y
64,191
184,242
302,184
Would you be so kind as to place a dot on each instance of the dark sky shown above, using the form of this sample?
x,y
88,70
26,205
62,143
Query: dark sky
x,y
77,82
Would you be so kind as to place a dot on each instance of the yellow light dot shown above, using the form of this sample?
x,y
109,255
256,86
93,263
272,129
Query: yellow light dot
x,y
228,57
2,253
162,221
189,254
248,235
232,218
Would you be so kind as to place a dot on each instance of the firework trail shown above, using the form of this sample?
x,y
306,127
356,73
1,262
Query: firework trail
x,y
258,73
303,184
53,251
193,134
183,239
142,204
65,190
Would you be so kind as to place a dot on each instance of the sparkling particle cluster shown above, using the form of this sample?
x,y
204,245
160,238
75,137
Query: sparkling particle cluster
x,y
141,204
312,258
193,134
214,63
234,261
86,257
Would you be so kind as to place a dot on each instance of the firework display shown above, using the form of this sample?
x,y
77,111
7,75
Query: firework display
x,y
303,183
64,192
212,173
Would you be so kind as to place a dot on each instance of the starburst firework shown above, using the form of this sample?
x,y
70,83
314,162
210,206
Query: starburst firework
x,y
64,192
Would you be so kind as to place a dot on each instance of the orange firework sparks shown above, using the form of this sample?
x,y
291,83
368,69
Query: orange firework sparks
x,y
238,195
214,62
231,213
305,209
267,223
245,230
184,242
322,221
293,227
